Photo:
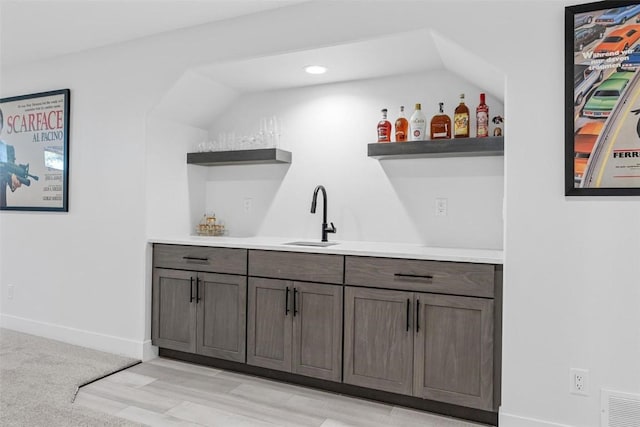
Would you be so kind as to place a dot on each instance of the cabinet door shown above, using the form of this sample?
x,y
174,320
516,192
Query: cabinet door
x,y
454,350
174,310
269,323
317,330
221,315
378,339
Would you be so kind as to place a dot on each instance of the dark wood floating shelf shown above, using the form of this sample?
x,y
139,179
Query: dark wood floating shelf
x,y
458,147
239,157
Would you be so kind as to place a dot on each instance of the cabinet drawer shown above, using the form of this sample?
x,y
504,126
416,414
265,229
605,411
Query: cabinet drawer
x,y
200,258
418,275
322,268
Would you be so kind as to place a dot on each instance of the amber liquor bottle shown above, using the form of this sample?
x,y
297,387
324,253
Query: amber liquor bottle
x,y
440,124
482,118
384,128
461,120
402,126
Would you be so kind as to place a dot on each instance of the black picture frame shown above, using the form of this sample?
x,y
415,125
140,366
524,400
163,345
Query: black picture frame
x,y
602,126
34,152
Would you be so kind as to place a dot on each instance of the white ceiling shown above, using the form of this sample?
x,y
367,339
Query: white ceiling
x,y
59,27
349,61
32,30
359,60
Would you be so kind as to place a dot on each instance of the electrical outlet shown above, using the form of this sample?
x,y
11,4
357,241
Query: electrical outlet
x,y
579,381
10,291
247,204
441,206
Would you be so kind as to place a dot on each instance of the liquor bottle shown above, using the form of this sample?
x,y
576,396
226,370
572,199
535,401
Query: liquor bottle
x,y
482,118
440,124
384,128
418,124
461,120
402,125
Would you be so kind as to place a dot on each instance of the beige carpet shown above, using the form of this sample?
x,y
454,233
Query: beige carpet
x,y
39,379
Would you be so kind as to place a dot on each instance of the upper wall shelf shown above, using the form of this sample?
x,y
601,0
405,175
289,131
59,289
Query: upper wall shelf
x,y
239,157
459,147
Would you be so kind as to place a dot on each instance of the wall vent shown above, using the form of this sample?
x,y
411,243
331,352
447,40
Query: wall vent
x,y
620,409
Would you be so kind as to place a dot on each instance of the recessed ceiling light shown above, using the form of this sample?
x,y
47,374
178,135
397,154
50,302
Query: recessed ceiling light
x,y
315,69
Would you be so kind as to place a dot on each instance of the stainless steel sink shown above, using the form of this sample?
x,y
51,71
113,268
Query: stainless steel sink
x,y
312,243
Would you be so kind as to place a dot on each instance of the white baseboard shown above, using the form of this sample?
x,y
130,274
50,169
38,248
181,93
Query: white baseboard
x,y
510,420
142,350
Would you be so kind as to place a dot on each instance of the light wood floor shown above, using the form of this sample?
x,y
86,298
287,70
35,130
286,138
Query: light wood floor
x,y
165,392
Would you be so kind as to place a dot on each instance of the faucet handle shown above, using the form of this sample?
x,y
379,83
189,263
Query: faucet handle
x,y
333,229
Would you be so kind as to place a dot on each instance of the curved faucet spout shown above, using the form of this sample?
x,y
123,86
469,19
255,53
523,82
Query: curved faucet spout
x,y
324,201
325,228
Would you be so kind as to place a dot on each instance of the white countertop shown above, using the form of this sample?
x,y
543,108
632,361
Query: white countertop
x,y
381,249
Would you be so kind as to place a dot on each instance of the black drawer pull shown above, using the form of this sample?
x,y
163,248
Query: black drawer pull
x,y
286,301
417,316
414,277
295,310
191,291
195,258
197,290
408,312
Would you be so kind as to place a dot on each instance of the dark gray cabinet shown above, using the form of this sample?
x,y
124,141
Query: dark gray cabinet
x,y
173,322
309,267
221,316
199,299
200,313
295,327
453,278
200,258
438,347
453,350
317,330
378,339
269,324
421,328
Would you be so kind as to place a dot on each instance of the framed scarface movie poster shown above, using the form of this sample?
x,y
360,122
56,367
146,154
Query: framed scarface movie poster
x,y
34,151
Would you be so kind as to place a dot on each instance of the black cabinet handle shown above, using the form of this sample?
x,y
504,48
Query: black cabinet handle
x,y
195,258
414,277
197,290
191,290
286,301
295,310
408,312
417,316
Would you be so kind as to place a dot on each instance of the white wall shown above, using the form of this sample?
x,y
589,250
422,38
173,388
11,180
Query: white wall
x,y
571,296
77,274
327,129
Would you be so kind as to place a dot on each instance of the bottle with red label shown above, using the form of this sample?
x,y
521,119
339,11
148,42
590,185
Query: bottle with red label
x,y
384,128
482,118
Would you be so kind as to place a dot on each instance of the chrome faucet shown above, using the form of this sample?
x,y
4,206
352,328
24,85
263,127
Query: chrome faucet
x,y
325,228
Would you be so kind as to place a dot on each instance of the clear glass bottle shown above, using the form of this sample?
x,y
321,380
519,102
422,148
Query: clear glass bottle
x,y
418,124
461,120
440,124
482,118
402,126
384,128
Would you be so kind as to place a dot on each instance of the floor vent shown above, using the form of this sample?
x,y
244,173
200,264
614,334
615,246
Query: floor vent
x,y
620,409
